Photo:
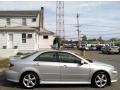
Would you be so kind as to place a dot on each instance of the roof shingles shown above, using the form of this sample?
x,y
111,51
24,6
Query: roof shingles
x,y
25,13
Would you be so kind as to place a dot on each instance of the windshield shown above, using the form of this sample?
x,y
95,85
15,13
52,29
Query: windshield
x,y
89,60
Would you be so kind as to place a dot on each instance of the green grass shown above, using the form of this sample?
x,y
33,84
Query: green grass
x,y
4,63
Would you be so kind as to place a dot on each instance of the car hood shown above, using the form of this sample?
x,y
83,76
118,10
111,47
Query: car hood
x,y
102,64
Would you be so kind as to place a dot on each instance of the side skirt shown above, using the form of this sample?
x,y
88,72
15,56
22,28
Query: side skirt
x,y
62,82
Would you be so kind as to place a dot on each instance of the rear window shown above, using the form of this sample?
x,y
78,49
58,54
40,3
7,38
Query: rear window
x,y
28,55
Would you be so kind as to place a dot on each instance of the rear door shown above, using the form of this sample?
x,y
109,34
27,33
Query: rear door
x,y
48,66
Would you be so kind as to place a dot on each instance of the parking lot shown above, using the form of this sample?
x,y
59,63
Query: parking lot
x,y
95,55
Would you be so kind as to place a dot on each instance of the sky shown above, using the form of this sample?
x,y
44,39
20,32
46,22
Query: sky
x,y
97,18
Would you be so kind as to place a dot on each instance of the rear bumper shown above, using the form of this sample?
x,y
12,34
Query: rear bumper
x,y
12,76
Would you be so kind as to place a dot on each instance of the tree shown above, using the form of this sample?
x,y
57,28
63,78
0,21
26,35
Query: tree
x,y
113,39
57,42
100,38
84,38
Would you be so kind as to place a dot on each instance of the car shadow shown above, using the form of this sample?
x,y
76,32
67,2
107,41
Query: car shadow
x,y
15,85
63,86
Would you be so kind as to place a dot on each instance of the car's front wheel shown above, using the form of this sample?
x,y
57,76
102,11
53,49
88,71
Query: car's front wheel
x,y
100,80
29,80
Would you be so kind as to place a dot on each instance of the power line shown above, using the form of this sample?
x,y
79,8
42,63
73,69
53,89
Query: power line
x,y
88,25
102,34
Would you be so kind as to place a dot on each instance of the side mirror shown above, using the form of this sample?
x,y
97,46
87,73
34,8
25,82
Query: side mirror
x,y
79,62
82,62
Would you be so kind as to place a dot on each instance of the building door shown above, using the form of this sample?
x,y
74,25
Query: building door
x,y
10,40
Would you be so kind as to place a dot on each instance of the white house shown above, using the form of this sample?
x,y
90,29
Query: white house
x,y
24,30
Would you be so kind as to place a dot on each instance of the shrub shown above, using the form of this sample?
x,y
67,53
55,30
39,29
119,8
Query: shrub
x,y
20,53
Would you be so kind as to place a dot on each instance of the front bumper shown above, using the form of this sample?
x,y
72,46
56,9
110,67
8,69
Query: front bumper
x,y
12,76
114,76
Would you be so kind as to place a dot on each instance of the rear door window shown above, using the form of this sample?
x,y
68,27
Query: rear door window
x,y
47,57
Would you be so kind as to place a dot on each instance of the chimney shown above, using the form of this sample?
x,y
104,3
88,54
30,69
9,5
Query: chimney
x,y
41,19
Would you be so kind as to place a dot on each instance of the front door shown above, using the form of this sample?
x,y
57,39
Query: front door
x,y
71,70
10,40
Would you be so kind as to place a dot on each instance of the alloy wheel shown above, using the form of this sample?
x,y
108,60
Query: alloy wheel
x,y
29,80
101,80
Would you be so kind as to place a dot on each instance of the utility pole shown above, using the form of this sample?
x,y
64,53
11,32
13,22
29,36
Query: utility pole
x,y
78,30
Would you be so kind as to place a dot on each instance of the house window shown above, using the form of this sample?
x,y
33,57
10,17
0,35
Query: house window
x,y
8,21
23,37
34,20
24,21
45,37
29,36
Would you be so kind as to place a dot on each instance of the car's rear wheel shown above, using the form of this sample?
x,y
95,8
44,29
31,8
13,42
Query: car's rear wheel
x,y
29,80
100,80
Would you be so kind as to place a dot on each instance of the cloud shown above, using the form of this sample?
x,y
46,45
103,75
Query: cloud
x,y
95,13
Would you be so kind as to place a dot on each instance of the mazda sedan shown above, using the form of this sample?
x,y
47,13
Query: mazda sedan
x,y
59,67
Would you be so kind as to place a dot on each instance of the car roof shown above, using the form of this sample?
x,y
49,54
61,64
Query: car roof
x,y
53,50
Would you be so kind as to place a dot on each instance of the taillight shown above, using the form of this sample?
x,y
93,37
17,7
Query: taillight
x,y
11,65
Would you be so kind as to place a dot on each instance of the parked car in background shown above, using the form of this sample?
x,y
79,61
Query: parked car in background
x,y
92,47
99,47
119,49
59,67
83,47
70,46
110,49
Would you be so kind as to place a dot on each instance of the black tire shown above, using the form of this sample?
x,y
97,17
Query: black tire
x,y
102,52
32,75
95,82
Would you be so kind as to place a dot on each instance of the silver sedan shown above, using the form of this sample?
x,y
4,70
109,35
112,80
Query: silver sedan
x,y
59,67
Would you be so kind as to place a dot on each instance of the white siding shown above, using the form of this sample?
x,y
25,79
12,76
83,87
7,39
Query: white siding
x,y
36,41
3,39
17,41
2,22
46,43
29,45
17,21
